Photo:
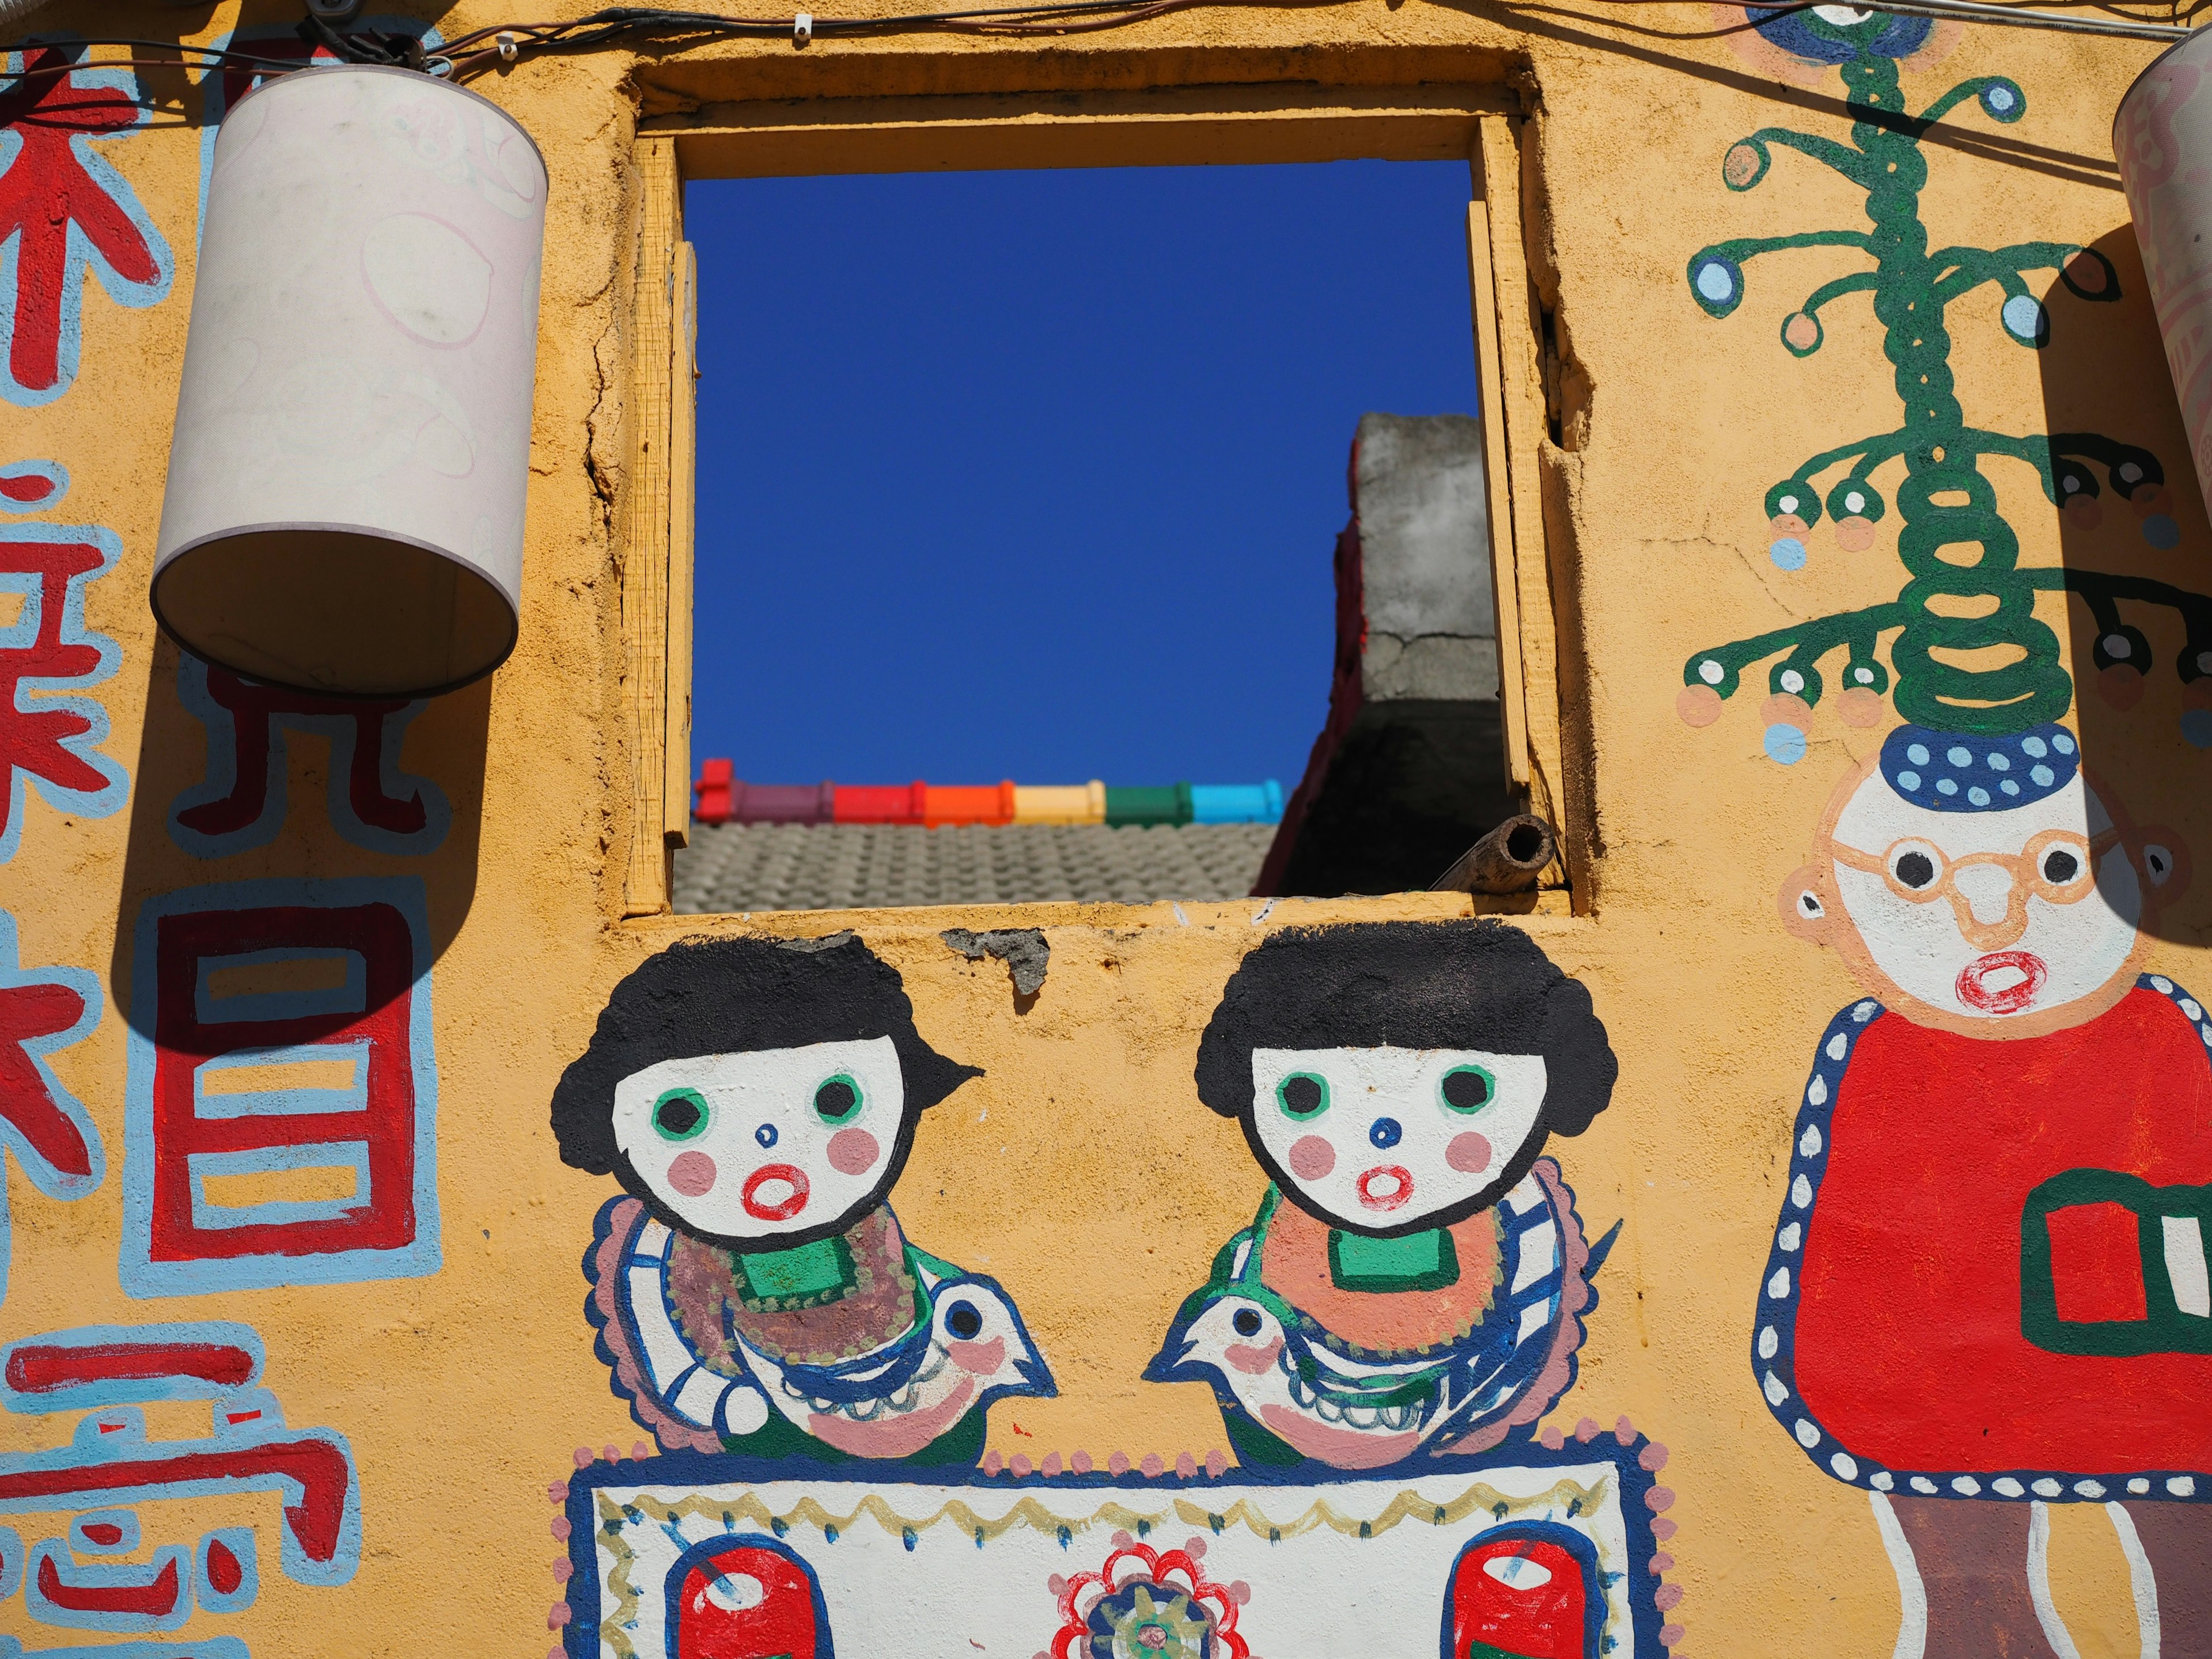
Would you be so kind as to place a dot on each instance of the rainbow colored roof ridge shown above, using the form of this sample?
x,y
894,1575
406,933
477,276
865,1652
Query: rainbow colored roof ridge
x,y
720,797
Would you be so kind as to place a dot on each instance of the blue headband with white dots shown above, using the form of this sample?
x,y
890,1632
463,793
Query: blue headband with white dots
x,y
1958,772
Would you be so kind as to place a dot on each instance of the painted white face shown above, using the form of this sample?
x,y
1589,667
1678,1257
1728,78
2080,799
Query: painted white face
x,y
1986,916
1378,1138
762,1145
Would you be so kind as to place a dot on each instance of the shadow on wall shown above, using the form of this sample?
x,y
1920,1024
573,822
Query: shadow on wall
x,y
295,868
2142,703
246,789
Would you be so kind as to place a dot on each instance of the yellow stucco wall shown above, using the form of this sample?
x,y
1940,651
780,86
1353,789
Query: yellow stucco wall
x,y
1081,1170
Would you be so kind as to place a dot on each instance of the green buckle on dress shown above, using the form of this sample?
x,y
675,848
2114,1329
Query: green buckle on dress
x,y
822,1269
1418,1262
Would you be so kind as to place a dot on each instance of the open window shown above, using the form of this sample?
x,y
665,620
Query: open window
x,y
1385,665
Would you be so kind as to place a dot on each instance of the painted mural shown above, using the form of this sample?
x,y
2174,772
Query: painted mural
x,y
1548,1553
282,1099
240,802
1987,1288
43,1126
53,734
69,213
757,1099
1295,1280
761,1311
1434,1297
109,1466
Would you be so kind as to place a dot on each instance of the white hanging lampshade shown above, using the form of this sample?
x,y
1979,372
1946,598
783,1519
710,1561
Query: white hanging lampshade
x,y
344,509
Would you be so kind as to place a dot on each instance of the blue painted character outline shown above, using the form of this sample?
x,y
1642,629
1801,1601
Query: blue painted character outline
x,y
246,1420
52,473
50,1560
81,256
51,691
142,1275
342,731
53,1182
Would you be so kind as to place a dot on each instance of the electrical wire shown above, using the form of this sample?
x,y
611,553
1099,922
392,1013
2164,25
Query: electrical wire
x,y
479,50
1085,16
224,57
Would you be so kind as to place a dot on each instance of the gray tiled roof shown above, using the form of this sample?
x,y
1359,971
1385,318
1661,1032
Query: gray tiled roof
x,y
797,866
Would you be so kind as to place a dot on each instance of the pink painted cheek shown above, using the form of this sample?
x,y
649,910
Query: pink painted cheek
x,y
1311,1158
1251,1358
692,1173
1469,1153
853,1151
978,1358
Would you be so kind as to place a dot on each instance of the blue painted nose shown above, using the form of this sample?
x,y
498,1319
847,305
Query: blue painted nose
x,y
1386,1134
766,1134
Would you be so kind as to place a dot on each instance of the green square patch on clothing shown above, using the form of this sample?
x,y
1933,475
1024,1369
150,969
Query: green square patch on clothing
x,y
1418,1262
805,1270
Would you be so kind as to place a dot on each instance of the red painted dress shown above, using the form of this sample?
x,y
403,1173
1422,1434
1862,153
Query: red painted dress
x,y
1989,1276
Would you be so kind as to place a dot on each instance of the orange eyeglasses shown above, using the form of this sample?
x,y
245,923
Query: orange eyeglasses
x,y
2058,866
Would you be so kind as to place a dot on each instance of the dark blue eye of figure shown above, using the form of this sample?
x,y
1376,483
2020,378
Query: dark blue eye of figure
x,y
963,1322
1247,1321
837,1099
765,1134
1386,1134
1302,1095
679,1115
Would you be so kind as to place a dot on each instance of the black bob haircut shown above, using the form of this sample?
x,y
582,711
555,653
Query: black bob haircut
x,y
1473,984
725,996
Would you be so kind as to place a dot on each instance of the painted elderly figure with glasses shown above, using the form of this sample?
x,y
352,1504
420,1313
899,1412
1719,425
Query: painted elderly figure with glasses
x,y
1989,1280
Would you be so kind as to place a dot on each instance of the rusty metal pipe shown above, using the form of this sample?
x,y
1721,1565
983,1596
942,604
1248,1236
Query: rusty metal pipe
x,y
1506,860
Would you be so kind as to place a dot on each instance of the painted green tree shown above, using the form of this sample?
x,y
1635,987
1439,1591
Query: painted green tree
x,y
1964,588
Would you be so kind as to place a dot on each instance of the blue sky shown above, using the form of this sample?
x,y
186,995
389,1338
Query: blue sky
x,y
1037,475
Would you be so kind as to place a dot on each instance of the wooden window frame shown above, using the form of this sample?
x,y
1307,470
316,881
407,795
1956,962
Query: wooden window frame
x,y
658,532
1192,125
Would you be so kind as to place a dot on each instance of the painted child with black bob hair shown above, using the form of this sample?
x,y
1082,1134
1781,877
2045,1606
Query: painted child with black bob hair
x,y
1397,1081
757,1099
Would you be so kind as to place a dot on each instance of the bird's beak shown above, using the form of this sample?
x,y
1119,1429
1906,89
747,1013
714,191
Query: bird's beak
x,y
1036,1376
1168,1363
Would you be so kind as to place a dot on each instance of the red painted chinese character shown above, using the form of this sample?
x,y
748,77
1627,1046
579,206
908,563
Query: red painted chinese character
x,y
68,211
44,647
240,802
42,1011
27,1104
282,1133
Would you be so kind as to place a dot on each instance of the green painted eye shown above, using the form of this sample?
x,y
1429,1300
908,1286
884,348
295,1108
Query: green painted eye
x,y
680,1115
1468,1088
837,1099
1302,1095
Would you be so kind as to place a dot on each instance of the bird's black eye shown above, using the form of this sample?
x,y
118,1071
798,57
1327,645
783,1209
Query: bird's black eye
x,y
1247,1321
1301,1094
679,1115
2060,866
1915,870
837,1099
963,1322
1468,1088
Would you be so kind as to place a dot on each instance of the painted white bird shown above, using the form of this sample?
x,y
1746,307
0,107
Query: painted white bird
x,y
1289,1389
903,1398
919,1395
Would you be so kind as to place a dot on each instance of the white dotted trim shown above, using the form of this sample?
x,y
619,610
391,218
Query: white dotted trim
x,y
1775,1346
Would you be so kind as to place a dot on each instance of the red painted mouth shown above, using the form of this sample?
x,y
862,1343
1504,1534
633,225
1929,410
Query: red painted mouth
x,y
790,1177
2019,976
1386,1187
